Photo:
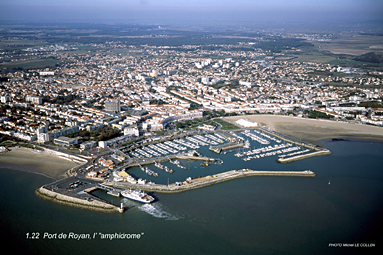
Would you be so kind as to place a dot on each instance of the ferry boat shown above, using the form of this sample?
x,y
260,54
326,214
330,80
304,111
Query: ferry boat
x,y
137,195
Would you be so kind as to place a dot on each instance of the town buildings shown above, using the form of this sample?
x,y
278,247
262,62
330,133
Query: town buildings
x,y
160,85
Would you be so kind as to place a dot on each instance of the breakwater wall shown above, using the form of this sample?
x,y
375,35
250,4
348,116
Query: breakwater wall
x,y
92,203
300,157
289,139
317,151
207,180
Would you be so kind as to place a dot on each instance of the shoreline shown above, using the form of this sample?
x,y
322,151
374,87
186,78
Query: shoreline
x,y
50,165
313,130
54,165
44,163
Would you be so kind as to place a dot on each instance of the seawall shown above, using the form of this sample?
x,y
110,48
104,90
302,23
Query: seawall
x,y
300,157
207,180
93,204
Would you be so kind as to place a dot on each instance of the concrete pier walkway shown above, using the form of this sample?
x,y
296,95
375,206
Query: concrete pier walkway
x,y
207,180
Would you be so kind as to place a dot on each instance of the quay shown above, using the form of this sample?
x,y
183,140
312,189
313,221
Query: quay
x,y
76,192
88,203
206,181
318,152
288,139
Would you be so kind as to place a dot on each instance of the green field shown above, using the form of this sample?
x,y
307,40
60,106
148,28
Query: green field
x,y
31,64
313,57
18,44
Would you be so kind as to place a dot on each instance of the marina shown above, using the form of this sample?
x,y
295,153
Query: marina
x,y
296,195
194,155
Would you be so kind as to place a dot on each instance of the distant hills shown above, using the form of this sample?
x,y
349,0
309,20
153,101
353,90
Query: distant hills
x,y
370,57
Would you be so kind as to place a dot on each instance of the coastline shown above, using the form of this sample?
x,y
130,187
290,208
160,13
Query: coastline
x,y
313,130
44,162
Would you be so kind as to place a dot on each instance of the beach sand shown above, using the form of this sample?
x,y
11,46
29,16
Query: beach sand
x,y
311,130
41,162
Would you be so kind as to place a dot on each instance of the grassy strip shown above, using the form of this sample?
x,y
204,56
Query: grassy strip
x,y
225,125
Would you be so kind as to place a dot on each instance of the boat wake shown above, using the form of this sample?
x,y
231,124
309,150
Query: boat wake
x,y
157,210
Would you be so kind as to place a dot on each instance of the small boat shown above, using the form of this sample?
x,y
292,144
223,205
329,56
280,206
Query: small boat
x,y
205,164
159,165
329,183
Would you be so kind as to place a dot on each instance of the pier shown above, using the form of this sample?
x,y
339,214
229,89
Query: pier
x,y
75,191
194,183
228,146
87,203
317,151
300,157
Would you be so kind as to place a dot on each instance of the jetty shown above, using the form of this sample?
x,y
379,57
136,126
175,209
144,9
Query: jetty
x,y
317,152
199,182
76,191
86,202
228,146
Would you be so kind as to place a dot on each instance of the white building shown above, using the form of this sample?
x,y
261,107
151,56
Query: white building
x,y
46,73
34,99
5,99
132,131
113,106
246,123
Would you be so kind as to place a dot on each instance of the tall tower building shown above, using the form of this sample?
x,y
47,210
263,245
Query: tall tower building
x,y
113,106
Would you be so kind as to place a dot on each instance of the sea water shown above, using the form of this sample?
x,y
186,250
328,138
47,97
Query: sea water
x,y
253,215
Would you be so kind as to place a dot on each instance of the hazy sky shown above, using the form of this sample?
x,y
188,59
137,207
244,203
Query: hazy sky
x,y
168,11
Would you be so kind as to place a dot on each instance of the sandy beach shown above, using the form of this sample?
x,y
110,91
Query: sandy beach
x,y
41,162
314,130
